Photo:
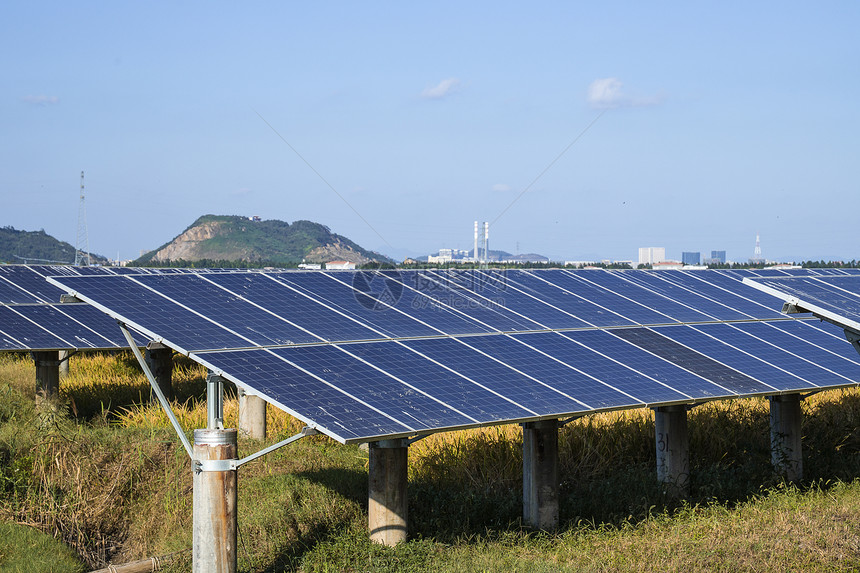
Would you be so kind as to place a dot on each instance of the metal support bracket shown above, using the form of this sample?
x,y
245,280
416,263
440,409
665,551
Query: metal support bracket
x,y
562,423
68,355
230,465
853,337
410,441
157,390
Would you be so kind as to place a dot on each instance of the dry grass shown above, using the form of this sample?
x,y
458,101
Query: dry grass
x,y
114,484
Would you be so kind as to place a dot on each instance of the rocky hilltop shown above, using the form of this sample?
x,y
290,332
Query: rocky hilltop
x,y
235,238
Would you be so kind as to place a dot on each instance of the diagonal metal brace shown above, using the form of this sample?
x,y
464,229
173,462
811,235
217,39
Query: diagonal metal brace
x,y
155,388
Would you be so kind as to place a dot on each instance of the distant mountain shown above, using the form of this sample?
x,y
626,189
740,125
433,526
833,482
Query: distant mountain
x,y
235,238
37,247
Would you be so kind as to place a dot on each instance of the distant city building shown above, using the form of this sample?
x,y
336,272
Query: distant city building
x,y
719,256
651,255
311,266
451,256
340,265
691,257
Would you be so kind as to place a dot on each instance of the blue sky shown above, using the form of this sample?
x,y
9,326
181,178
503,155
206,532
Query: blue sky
x,y
694,126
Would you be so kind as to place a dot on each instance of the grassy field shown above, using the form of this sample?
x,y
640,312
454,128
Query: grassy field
x,y
100,478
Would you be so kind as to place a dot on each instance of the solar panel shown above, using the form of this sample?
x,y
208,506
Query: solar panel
x,y
834,297
363,356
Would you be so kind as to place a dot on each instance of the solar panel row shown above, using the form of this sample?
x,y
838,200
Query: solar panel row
x,y
31,319
362,356
834,297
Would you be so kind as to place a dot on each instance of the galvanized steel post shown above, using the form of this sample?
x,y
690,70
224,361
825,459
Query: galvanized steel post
x,y
387,504
214,503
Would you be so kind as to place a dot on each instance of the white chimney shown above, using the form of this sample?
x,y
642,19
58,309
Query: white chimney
x,y
475,252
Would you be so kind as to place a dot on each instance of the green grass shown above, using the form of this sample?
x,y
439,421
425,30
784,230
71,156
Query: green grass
x,y
103,476
27,550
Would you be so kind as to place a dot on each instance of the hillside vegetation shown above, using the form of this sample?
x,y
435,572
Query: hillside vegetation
x,y
36,246
234,238
104,474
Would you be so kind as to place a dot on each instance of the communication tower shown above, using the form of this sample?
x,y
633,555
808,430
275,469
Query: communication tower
x,y
82,245
757,259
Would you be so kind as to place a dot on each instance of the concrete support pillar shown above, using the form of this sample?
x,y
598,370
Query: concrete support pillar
x,y
540,474
252,415
159,359
47,374
673,450
214,502
64,363
387,507
785,443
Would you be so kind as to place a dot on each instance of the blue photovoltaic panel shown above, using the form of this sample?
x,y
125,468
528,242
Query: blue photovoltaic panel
x,y
58,327
467,294
833,297
22,284
540,288
724,344
735,301
691,359
155,315
408,404
525,391
256,325
660,370
619,284
299,309
819,360
303,395
405,353
525,353
466,396
668,283
413,314
495,289
590,303
15,325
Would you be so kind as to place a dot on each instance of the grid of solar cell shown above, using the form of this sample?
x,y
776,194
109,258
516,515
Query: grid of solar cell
x,y
836,298
366,356
57,326
32,319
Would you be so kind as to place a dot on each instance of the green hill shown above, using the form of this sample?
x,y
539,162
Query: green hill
x,y
235,238
36,247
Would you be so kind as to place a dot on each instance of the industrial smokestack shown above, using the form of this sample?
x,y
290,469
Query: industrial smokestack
x,y
486,242
475,252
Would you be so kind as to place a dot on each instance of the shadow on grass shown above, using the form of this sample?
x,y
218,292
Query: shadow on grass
x,y
608,478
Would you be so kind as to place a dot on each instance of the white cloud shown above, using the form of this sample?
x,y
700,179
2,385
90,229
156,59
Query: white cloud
x,y
241,192
42,100
501,187
608,93
442,89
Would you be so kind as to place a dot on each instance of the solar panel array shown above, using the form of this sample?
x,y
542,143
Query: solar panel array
x,y
370,355
834,297
32,318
